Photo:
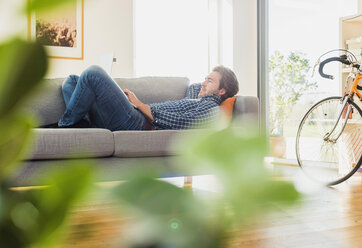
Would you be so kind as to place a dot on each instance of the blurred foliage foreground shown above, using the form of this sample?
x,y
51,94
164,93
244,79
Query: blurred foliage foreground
x,y
168,216
176,217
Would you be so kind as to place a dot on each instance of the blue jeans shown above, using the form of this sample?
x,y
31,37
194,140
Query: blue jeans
x,y
95,95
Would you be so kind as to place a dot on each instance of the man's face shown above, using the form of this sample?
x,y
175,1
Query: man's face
x,y
211,85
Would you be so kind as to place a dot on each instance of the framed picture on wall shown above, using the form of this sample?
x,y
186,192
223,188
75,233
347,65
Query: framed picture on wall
x,y
60,31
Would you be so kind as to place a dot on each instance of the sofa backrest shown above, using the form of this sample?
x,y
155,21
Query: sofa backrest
x,y
246,106
48,104
156,89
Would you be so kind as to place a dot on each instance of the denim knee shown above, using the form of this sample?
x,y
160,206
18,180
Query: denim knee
x,y
69,84
94,70
71,81
94,75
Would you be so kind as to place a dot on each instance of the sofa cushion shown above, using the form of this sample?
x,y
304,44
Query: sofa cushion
x,y
227,107
48,104
146,143
156,89
72,143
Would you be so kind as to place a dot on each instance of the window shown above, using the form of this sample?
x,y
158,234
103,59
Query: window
x,y
182,37
299,32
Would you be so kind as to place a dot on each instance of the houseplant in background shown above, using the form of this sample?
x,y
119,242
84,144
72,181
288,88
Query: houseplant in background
x,y
288,81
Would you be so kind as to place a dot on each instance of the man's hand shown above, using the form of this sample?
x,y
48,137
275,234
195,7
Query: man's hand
x,y
132,98
144,108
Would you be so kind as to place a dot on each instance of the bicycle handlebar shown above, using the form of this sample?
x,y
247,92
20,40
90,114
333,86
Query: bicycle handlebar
x,y
343,59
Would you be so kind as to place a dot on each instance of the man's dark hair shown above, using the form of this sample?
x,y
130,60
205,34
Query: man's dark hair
x,y
228,81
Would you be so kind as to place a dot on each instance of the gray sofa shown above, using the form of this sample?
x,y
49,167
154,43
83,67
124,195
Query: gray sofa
x,y
113,152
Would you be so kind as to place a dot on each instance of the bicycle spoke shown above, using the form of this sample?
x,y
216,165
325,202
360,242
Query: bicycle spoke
x,y
334,159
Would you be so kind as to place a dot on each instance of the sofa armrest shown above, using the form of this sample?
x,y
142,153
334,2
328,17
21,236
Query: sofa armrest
x,y
246,106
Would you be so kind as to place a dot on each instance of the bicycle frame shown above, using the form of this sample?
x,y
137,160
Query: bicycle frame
x,y
353,91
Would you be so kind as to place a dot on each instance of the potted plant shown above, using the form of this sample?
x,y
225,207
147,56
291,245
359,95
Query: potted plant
x,y
288,81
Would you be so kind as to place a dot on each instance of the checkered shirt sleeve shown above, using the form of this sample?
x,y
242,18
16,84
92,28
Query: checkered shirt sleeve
x,y
193,91
186,113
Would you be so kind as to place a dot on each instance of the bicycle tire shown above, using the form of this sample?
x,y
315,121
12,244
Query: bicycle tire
x,y
329,162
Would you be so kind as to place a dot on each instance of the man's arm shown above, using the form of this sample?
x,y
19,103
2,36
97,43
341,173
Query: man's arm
x,y
144,108
197,117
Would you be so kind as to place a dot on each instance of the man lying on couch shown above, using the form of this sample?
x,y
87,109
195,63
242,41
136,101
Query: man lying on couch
x,y
96,96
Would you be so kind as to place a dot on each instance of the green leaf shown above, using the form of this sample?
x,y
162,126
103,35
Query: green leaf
x,y
67,186
23,65
154,197
16,134
45,5
223,151
36,217
236,157
171,216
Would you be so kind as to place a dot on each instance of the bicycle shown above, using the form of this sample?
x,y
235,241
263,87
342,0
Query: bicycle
x,y
329,137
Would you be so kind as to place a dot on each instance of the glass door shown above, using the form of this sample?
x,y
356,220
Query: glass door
x,y
299,32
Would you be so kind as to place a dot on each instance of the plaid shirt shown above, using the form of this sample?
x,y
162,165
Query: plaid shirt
x,y
186,113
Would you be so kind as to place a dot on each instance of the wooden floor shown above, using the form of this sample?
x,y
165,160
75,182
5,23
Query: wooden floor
x,y
327,217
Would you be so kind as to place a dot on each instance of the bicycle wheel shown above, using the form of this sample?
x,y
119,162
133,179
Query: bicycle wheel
x,y
330,162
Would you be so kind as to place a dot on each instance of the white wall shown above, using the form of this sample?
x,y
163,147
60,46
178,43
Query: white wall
x,y
12,20
108,26
245,45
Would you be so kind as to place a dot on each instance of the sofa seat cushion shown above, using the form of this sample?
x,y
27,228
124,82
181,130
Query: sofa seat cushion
x,y
72,143
146,143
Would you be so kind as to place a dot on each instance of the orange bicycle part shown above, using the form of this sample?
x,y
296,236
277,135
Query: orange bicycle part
x,y
354,86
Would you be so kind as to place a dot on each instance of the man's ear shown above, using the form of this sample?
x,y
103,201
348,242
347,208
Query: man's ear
x,y
222,92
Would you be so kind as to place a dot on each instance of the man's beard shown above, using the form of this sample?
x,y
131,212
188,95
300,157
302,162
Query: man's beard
x,y
201,93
